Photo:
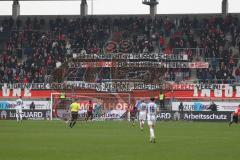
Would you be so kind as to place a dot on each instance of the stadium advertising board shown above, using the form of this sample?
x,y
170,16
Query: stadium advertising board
x,y
98,115
196,116
10,105
107,104
203,106
113,114
105,114
27,114
165,115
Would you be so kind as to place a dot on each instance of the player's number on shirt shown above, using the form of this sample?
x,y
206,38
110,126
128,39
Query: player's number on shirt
x,y
152,109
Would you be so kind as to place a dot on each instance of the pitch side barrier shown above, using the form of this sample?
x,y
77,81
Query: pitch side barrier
x,y
26,114
41,111
205,116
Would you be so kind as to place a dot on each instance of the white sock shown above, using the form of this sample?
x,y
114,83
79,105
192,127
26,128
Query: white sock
x,y
141,124
151,133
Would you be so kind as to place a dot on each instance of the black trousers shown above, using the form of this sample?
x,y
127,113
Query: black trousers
x,y
74,116
161,104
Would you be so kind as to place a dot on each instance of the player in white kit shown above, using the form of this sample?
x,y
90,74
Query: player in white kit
x,y
151,118
19,107
142,114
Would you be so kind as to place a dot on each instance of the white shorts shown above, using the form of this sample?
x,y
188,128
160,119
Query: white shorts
x,y
151,119
18,113
142,116
151,123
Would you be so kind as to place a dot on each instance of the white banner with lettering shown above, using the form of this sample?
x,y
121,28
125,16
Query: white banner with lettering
x,y
39,105
204,105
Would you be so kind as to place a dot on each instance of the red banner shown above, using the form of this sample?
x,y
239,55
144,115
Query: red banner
x,y
198,65
186,94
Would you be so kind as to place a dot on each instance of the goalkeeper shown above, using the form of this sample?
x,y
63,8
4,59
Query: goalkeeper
x,y
98,110
74,107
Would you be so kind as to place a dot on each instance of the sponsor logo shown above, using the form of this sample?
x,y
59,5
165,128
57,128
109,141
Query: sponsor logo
x,y
195,116
205,117
5,105
204,105
166,116
26,114
10,105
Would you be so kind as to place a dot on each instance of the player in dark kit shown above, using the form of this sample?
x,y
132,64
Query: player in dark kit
x,y
235,116
213,107
133,114
90,111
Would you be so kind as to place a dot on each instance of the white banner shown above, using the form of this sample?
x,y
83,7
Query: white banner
x,y
203,106
105,114
113,114
26,114
198,65
130,56
101,114
39,105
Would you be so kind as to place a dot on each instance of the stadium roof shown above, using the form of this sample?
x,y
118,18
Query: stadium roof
x,y
224,3
43,0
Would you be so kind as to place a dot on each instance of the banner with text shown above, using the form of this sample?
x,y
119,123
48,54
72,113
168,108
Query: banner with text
x,y
139,64
27,114
115,85
131,56
97,115
39,105
196,116
203,106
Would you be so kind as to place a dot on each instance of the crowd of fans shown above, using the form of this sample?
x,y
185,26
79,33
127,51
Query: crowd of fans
x,y
36,47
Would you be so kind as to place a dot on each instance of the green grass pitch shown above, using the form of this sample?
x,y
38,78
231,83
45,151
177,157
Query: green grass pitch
x,y
115,140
